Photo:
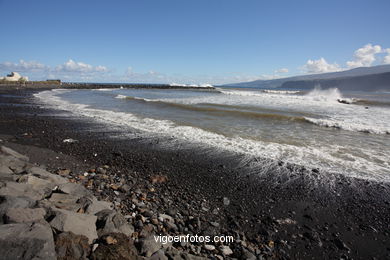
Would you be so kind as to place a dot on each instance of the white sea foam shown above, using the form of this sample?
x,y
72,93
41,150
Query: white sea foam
x,y
121,96
104,89
273,91
191,85
324,105
310,156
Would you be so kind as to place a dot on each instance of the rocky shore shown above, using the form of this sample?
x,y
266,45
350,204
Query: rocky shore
x,y
129,189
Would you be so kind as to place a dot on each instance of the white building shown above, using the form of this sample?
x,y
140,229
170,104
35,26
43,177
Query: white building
x,y
14,76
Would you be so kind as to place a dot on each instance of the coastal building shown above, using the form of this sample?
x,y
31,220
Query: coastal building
x,y
14,76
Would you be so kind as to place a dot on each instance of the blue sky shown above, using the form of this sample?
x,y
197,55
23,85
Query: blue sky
x,y
199,41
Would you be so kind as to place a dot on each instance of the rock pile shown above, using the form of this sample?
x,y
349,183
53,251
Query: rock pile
x,y
54,216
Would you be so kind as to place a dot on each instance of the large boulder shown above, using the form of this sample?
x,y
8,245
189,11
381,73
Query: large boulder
x,y
37,183
79,224
43,174
27,241
74,189
110,221
72,247
8,151
24,215
87,204
7,202
21,190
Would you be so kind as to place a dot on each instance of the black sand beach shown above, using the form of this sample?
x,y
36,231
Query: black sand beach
x,y
270,217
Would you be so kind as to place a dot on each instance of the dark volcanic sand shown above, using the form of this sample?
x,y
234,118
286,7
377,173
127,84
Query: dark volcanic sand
x,y
349,219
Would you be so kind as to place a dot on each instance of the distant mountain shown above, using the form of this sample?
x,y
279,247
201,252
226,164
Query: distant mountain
x,y
325,79
372,82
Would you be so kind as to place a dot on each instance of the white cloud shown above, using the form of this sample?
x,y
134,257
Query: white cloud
x,y
23,66
386,60
282,70
320,66
79,67
364,56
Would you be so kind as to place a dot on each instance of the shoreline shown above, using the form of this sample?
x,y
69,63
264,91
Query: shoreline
x,y
356,213
31,85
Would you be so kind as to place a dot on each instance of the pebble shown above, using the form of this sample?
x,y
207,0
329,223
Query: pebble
x,y
209,247
226,201
225,250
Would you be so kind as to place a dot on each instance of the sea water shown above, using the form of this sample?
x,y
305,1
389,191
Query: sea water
x,y
308,128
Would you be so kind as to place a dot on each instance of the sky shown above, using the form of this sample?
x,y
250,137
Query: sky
x,y
190,41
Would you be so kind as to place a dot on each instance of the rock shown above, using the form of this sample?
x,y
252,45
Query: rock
x,y
70,246
165,217
209,247
16,165
109,221
286,221
248,255
148,246
9,151
5,170
24,215
64,201
214,224
159,255
6,174
123,249
43,174
27,241
79,224
69,140
175,254
341,245
158,179
96,206
7,202
38,184
226,201
225,250
21,190
74,189
63,172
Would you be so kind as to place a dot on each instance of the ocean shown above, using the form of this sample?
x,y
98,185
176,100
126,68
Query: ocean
x,y
336,133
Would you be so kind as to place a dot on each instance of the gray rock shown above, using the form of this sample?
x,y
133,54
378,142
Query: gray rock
x,y
74,189
6,174
27,241
149,246
21,190
7,202
9,151
225,250
38,184
79,224
226,201
248,255
64,201
5,170
159,255
24,215
43,174
110,221
17,166
94,205
165,217
209,247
